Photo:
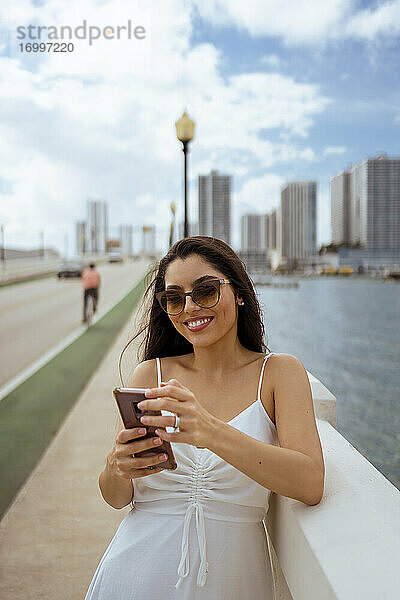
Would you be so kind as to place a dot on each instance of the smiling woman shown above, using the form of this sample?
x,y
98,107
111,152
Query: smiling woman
x,y
237,436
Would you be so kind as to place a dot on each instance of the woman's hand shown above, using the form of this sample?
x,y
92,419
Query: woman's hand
x,y
195,422
122,462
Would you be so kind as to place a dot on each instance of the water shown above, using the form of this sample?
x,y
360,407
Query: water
x,y
347,333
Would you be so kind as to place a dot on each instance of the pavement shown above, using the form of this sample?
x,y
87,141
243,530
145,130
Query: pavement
x,y
56,530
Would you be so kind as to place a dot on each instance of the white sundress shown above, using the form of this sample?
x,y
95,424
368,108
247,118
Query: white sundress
x,y
194,533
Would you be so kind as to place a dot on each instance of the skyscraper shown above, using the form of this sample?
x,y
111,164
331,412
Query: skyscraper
x,y
80,237
215,206
253,251
97,226
371,204
340,208
125,235
298,220
251,232
148,239
269,225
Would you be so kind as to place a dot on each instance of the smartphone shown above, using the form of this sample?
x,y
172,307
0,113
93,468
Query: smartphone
x,y
127,401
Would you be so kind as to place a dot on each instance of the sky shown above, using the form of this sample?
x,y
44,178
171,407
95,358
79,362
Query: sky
x,y
279,90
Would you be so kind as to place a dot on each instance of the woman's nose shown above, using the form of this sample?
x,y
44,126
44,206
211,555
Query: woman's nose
x,y
189,304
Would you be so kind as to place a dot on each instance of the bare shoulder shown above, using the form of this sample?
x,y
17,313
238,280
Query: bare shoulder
x,y
283,364
287,373
145,374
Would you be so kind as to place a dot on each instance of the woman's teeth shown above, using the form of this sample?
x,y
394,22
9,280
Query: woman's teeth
x,y
201,323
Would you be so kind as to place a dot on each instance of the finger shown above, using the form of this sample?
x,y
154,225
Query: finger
x,y
137,473
158,421
143,472
166,403
125,435
139,446
173,382
170,389
148,460
171,437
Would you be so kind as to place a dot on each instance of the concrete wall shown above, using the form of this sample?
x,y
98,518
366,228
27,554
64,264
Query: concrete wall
x,y
24,268
348,545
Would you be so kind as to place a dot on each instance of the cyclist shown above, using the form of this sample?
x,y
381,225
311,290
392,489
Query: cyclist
x,y
91,283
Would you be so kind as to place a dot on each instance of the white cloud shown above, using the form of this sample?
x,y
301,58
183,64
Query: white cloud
x,y
334,150
271,60
304,21
100,121
368,24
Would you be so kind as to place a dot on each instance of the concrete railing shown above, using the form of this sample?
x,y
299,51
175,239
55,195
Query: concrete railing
x,y
23,268
348,546
18,269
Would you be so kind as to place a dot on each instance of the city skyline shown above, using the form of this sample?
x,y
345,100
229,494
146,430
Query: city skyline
x,y
341,214
276,97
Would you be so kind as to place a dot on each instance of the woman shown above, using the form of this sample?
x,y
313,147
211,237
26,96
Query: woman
x,y
238,435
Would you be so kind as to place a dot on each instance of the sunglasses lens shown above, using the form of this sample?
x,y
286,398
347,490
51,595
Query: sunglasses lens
x,y
206,294
172,302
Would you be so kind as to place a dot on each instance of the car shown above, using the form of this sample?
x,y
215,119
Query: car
x,y
70,268
115,255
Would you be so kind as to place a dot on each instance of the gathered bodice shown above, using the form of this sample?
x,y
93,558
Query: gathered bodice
x,y
206,485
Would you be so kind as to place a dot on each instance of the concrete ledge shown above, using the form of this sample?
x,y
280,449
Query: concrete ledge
x,y
347,546
324,401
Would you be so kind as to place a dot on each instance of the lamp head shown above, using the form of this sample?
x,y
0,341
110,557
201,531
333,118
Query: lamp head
x,y
185,128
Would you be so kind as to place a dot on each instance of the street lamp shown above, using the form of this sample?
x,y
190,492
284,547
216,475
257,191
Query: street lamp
x,y
185,133
171,229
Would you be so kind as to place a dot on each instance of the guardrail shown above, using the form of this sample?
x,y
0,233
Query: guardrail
x,y
347,546
18,269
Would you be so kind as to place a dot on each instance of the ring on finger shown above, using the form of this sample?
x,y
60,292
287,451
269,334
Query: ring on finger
x,y
176,424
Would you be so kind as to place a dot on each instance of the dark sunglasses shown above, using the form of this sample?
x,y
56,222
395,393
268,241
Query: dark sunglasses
x,y
205,295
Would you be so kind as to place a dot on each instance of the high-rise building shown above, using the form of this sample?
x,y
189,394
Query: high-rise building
x,y
215,206
251,232
269,229
125,235
298,221
97,225
80,237
148,239
340,208
372,200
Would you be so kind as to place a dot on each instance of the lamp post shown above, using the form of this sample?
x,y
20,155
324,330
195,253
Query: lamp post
x,y
185,133
171,229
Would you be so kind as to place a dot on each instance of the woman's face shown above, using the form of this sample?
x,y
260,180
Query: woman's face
x,y
183,273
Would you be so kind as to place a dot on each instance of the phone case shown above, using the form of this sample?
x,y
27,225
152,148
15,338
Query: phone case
x,y
127,400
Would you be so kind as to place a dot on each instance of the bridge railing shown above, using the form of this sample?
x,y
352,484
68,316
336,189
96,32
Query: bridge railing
x,y
18,269
347,546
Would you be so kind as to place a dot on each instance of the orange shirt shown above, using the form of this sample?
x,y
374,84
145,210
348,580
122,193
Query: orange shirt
x,y
90,279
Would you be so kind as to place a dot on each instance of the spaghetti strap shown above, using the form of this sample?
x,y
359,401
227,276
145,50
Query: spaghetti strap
x,y
158,363
261,376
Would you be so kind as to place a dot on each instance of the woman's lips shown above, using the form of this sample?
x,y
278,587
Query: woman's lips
x,y
200,327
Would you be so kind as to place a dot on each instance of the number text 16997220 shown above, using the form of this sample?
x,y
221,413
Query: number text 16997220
x,y
46,47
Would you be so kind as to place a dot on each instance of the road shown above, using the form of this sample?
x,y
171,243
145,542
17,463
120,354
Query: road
x,y
37,315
